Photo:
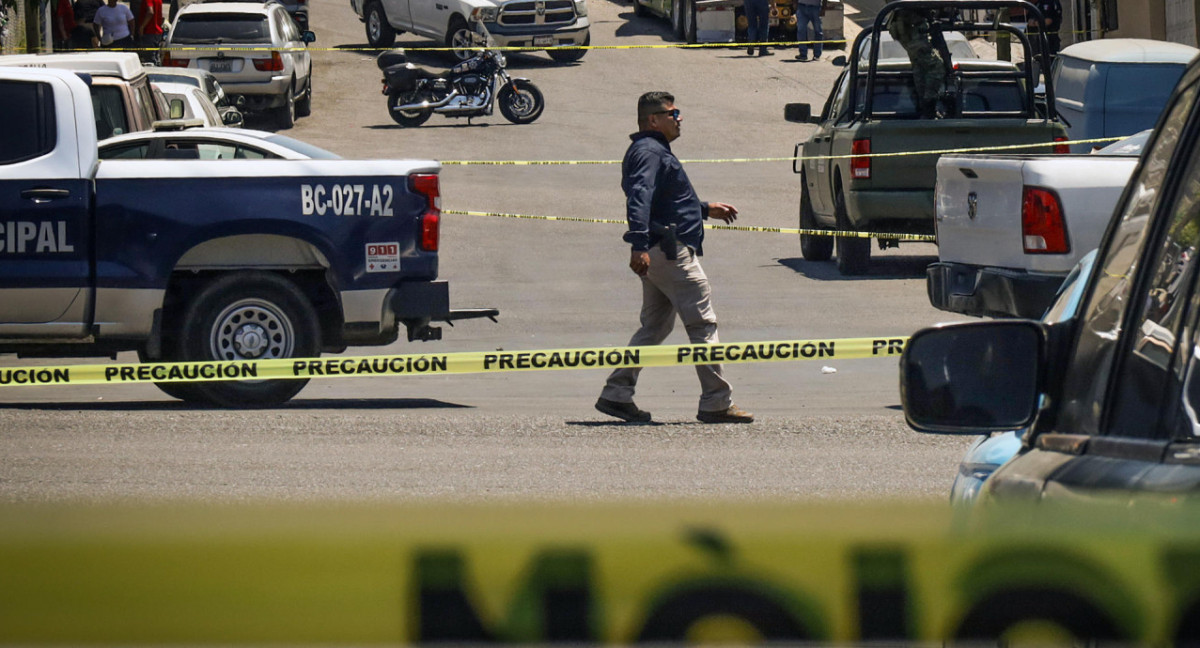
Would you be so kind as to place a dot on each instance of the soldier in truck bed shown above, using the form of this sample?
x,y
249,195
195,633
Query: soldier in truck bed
x,y
917,31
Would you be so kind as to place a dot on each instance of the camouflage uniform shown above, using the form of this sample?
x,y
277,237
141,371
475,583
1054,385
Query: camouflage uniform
x,y
911,29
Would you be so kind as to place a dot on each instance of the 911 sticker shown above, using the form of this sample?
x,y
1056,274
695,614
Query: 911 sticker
x,y
383,257
346,200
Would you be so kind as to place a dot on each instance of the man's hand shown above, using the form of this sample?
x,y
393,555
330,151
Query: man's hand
x,y
722,212
639,262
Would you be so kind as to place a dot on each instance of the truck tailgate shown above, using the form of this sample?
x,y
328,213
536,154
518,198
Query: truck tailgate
x,y
979,201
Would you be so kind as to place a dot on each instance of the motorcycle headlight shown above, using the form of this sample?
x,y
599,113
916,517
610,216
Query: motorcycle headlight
x,y
580,8
500,58
485,14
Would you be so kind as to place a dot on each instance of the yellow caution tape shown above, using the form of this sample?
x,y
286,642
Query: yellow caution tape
x,y
455,363
929,238
793,158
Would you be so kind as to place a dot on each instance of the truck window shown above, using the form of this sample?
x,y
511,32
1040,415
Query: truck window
x,y
208,27
896,97
109,106
144,103
30,104
1100,321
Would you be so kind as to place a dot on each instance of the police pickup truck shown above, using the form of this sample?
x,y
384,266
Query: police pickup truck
x,y
202,260
862,169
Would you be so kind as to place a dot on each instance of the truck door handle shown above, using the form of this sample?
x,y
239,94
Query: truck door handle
x,y
44,194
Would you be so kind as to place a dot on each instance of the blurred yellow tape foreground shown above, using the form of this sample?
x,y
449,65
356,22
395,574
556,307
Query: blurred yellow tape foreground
x,y
452,363
619,574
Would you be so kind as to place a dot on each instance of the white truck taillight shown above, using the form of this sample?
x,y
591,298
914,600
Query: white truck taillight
x,y
860,167
1043,229
426,184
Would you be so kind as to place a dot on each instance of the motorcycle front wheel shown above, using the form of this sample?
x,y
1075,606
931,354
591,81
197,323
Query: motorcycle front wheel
x,y
520,102
407,117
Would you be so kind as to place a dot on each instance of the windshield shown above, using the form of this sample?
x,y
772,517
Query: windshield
x,y
303,148
159,77
109,107
228,28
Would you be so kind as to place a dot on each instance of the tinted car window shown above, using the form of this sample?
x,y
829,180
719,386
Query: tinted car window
x,y
1100,323
125,152
32,106
109,106
233,28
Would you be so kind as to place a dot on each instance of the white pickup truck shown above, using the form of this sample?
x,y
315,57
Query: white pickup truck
x,y
509,23
1010,227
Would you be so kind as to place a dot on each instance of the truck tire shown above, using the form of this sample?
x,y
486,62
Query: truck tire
x,y
853,254
249,316
812,246
304,105
460,37
677,18
570,55
182,390
689,21
285,115
379,30
639,9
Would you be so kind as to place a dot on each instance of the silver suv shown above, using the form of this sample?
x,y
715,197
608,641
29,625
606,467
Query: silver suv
x,y
254,49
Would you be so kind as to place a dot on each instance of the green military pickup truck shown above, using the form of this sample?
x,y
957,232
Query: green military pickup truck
x,y
873,109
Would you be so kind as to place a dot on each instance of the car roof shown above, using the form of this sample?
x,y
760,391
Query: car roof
x,y
251,8
125,65
1130,50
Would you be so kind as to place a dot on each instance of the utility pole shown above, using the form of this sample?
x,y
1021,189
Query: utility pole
x,y
33,26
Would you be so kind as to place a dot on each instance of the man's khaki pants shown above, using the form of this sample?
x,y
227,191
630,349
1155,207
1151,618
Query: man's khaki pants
x,y
671,287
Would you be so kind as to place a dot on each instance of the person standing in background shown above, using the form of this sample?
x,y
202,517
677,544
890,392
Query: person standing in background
x,y
150,28
808,28
116,25
758,27
64,24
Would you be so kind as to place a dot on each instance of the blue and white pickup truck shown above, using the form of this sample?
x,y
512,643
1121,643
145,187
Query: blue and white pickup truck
x,y
199,260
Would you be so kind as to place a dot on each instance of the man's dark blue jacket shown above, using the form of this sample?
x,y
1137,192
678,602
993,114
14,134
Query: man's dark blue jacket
x,y
658,193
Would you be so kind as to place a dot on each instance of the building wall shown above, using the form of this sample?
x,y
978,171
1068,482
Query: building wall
x,y
1169,20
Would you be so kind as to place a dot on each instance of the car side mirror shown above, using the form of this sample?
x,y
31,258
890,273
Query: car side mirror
x,y
973,378
800,113
308,37
233,119
176,111
240,102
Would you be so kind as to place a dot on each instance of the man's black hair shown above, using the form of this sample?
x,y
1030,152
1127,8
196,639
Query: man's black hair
x,y
652,102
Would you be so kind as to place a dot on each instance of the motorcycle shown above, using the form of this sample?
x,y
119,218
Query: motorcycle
x,y
469,89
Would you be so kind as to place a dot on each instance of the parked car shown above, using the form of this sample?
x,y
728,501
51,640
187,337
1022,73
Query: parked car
x,y
190,103
988,452
254,49
122,97
210,144
203,79
510,23
1111,395
1114,87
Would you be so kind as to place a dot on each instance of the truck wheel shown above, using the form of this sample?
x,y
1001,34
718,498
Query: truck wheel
x,y
677,18
183,391
520,102
304,105
379,30
689,21
639,9
249,316
407,117
285,115
812,246
853,254
570,55
460,37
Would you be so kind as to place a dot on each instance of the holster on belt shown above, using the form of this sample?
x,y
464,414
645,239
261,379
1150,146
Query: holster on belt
x,y
669,243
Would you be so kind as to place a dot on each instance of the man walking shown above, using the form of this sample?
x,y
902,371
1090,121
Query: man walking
x,y
808,28
666,233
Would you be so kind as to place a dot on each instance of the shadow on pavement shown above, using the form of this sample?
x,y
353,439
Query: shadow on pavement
x,y
895,267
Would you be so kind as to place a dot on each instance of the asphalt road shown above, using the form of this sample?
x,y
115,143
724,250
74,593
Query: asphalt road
x,y
558,285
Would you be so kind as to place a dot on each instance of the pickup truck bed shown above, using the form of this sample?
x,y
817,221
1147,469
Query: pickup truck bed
x,y
1010,227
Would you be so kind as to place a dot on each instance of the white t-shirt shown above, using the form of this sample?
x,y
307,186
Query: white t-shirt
x,y
114,22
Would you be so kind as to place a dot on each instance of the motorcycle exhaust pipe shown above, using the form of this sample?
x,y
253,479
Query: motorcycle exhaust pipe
x,y
425,104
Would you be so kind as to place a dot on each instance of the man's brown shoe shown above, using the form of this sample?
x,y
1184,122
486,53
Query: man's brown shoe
x,y
627,412
732,415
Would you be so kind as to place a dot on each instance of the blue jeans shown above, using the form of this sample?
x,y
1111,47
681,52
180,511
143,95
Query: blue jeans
x,y
806,15
758,15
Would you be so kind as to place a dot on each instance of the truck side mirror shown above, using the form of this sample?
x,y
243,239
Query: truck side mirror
x,y
973,378
232,118
308,37
800,113
176,109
